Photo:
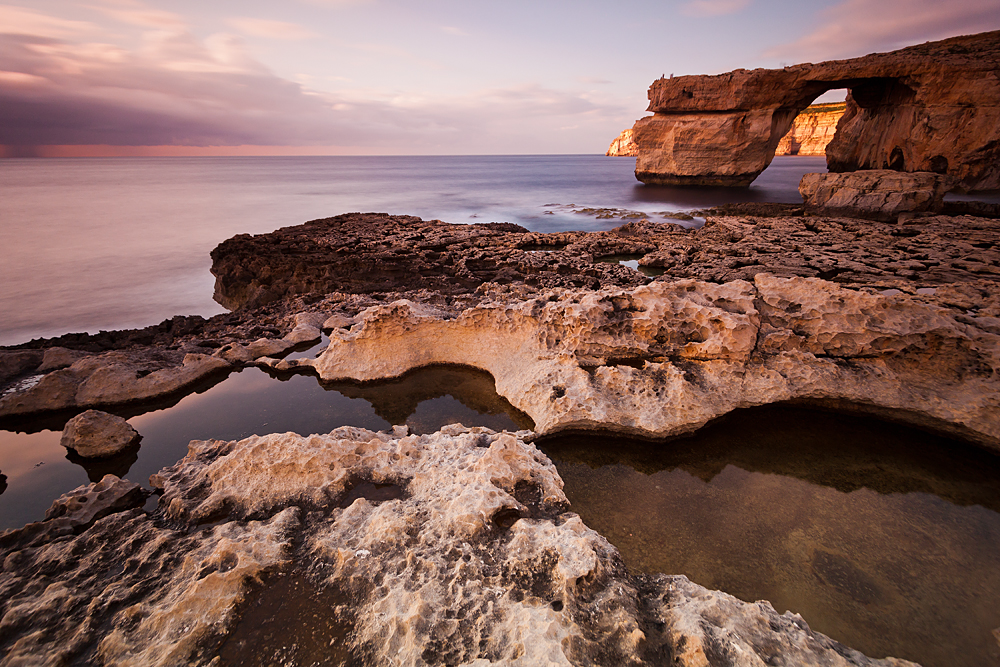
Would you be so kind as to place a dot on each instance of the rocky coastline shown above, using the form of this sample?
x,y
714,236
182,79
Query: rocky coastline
x,y
459,547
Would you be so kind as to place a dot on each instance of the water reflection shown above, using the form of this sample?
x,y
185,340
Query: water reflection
x,y
883,537
246,403
632,262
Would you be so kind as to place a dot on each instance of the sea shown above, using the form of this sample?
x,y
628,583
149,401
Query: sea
x,y
114,243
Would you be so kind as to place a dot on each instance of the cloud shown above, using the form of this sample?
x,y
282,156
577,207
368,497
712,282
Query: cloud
x,y
708,8
177,90
271,29
856,27
132,12
452,30
20,21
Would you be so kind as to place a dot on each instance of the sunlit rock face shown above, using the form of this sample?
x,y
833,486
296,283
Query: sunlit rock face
x,y
932,107
623,145
812,130
666,358
470,558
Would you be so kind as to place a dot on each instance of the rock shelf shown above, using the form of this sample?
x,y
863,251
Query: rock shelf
x,y
458,547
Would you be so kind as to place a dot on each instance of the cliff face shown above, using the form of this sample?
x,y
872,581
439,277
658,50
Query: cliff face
x,y
812,130
623,145
932,107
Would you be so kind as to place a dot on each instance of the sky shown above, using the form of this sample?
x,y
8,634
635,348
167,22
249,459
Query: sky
x,y
388,77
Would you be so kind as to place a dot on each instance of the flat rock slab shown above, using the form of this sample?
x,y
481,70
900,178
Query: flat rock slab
x,y
96,434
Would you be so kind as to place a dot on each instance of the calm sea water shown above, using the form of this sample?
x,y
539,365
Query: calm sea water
x,y
111,243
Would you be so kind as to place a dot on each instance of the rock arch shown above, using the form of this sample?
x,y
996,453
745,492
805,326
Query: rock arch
x,y
931,107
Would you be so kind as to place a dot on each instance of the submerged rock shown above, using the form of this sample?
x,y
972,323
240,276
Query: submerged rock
x,y
96,434
473,560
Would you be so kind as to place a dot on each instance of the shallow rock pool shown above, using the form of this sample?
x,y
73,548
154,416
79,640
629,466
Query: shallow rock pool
x,y
881,536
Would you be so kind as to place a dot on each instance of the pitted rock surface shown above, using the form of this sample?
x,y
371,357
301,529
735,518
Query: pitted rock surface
x,y
478,561
666,358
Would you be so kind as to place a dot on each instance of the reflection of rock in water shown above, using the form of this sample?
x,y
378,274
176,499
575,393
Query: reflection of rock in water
x,y
397,401
845,452
117,465
478,562
876,533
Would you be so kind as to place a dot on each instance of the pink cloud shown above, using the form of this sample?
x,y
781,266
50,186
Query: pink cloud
x,y
177,90
856,27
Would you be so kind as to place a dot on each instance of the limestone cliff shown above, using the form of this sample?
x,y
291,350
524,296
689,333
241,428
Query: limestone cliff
x,y
932,107
623,145
812,130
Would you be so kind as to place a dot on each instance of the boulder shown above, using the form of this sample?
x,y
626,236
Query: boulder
x,y
96,434
878,193
932,107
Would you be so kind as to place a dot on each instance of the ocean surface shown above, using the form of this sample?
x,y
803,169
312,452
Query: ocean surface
x,y
112,243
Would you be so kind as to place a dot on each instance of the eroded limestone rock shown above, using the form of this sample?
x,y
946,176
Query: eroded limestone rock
x,y
623,145
473,561
666,358
879,193
112,378
932,107
96,434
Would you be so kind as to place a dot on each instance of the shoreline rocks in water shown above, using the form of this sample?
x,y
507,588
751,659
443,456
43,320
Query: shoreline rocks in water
x,y
474,558
96,434
458,546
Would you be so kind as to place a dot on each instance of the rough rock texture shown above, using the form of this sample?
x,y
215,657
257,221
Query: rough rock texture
x,y
881,193
623,145
375,252
933,107
60,380
96,434
812,130
666,358
472,560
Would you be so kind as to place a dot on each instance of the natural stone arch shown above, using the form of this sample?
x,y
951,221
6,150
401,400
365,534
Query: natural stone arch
x,y
933,107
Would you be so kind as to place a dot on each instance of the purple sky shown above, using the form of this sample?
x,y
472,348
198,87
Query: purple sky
x,y
389,77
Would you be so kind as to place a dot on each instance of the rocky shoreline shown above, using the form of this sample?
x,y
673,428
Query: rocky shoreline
x,y
459,547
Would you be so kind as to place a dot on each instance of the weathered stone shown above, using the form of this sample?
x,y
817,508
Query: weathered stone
x,y
372,252
878,193
84,505
112,378
18,362
623,145
96,434
812,130
473,559
60,357
932,107
666,358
